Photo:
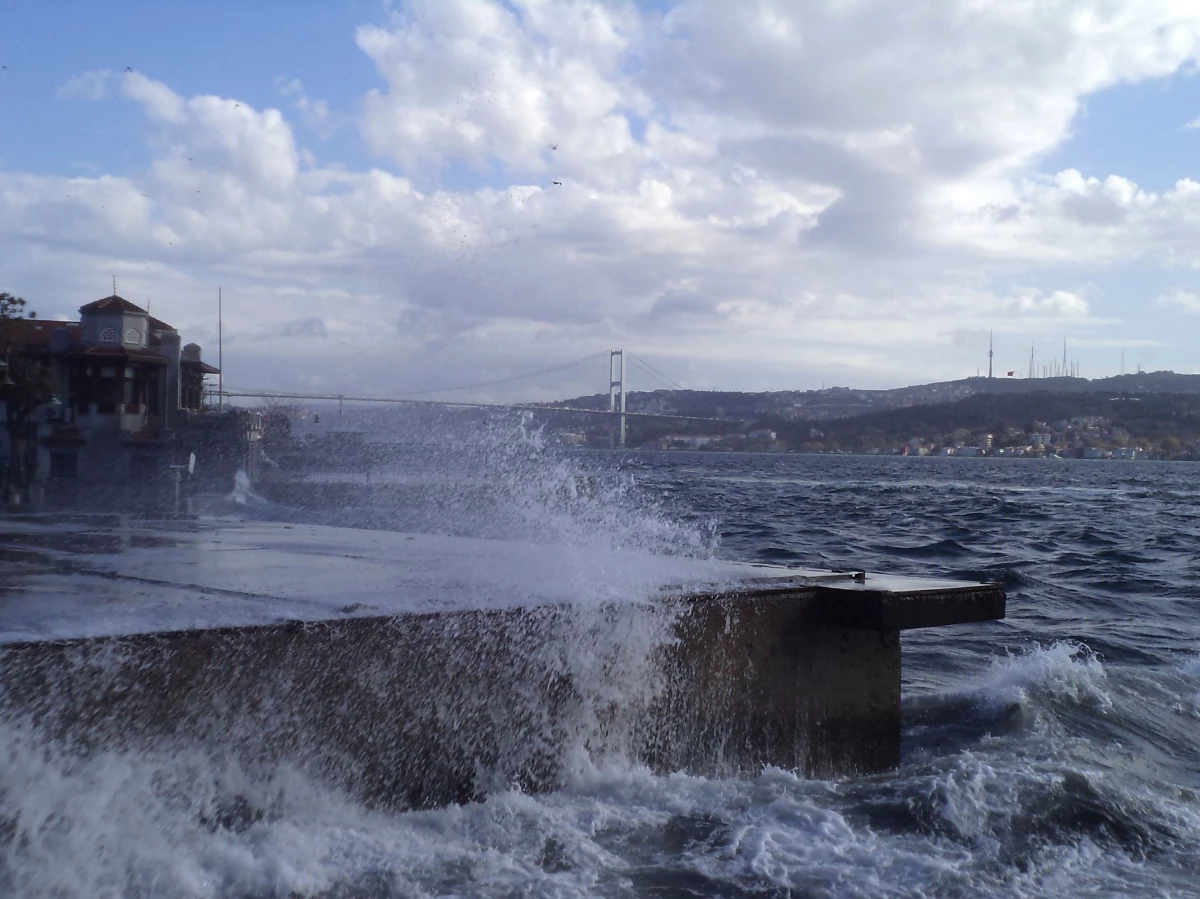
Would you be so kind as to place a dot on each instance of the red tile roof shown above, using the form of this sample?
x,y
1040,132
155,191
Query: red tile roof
x,y
34,333
112,304
204,367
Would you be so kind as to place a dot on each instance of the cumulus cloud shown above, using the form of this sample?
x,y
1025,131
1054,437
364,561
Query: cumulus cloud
x,y
257,148
904,108
489,83
159,101
834,183
88,85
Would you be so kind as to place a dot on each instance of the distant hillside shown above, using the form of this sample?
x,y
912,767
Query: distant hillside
x,y
836,403
1150,418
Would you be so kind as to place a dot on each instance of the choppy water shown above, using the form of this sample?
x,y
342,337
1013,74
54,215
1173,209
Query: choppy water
x,y
1054,753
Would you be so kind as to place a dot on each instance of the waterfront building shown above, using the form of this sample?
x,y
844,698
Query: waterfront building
x,y
126,399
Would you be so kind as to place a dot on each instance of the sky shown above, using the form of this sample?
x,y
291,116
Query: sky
x,y
400,196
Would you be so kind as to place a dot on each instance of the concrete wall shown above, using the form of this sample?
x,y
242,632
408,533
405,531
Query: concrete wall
x,y
421,710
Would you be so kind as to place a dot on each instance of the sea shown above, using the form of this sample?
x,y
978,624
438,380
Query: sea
x,y
1054,753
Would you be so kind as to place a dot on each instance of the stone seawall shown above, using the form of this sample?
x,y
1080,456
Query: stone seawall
x,y
426,709
419,670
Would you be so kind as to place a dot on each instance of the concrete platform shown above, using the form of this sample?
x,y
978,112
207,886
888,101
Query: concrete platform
x,y
418,669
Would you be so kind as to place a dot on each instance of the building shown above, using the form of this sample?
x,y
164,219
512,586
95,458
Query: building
x,y
127,398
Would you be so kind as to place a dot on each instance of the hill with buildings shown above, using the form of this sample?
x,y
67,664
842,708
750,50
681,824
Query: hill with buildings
x,y
1085,425
834,403
1143,415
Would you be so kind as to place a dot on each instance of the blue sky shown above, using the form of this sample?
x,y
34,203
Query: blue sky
x,y
764,196
231,49
1137,130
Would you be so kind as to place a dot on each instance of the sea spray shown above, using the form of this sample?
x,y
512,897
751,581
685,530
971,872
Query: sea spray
x,y
497,478
212,788
1070,780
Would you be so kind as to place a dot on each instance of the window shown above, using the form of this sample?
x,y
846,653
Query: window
x,y
109,391
133,337
110,335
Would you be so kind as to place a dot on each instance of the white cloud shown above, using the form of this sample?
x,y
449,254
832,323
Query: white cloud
x,y
159,101
220,134
781,184
88,85
1179,299
316,113
1063,303
483,82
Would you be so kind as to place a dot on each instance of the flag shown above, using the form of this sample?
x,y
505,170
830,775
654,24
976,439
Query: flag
x,y
1011,373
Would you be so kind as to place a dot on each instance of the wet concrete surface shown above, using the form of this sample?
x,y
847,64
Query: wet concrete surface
x,y
76,576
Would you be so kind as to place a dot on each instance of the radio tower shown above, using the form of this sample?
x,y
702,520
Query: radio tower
x,y
989,354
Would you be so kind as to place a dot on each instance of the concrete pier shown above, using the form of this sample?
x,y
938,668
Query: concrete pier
x,y
415,670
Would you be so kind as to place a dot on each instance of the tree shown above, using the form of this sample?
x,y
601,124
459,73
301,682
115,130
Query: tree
x,y
25,384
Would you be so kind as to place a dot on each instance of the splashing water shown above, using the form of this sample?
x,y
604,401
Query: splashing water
x,y
196,817
1094,794
495,479
242,491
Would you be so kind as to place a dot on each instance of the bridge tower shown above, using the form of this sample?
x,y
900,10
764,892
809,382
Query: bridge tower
x,y
616,389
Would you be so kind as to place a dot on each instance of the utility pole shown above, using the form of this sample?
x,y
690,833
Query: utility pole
x,y
616,388
220,357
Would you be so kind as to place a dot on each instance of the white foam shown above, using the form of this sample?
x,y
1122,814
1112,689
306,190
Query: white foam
x,y
1063,670
1190,667
132,825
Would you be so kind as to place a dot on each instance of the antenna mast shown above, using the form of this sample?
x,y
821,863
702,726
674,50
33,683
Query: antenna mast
x,y
989,353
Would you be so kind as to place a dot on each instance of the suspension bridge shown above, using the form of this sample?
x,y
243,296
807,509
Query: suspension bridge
x,y
616,393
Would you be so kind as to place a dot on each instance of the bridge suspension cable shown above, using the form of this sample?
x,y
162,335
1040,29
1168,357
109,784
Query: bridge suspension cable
x,y
492,383
654,372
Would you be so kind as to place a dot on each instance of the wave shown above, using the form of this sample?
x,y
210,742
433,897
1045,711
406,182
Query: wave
x,y
1064,671
932,550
